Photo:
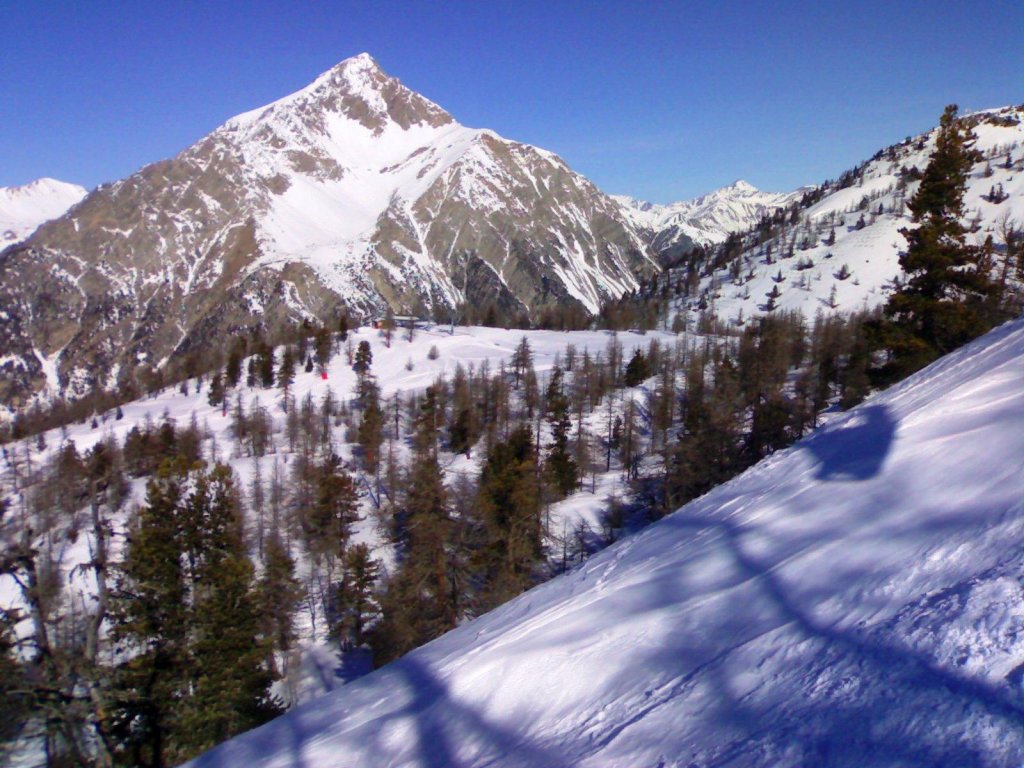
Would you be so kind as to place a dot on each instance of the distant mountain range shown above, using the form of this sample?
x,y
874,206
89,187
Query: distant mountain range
x,y
675,228
354,193
24,208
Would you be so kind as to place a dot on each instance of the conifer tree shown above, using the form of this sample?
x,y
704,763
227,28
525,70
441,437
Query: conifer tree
x,y
278,597
323,347
560,466
357,606
230,682
420,603
233,370
522,358
387,327
216,394
286,374
463,428
944,299
187,623
370,434
363,358
265,365
328,524
151,629
637,370
509,505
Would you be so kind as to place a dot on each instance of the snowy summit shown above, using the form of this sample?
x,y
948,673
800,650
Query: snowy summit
x,y
24,208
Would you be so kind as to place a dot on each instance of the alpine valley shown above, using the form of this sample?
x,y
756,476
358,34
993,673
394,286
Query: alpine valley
x,y
624,484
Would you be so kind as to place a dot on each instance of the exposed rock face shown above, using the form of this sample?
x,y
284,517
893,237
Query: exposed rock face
x,y
354,192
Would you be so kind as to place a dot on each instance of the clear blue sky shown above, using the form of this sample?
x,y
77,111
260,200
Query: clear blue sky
x,y
662,101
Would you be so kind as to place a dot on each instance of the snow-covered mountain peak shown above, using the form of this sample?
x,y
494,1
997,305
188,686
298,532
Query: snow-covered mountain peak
x,y
740,187
356,89
350,194
24,208
707,219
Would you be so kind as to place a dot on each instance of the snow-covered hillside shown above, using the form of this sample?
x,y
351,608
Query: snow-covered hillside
x,y
24,208
707,219
854,600
842,252
406,367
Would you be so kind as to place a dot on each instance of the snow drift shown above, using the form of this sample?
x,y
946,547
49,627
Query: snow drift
x,y
854,600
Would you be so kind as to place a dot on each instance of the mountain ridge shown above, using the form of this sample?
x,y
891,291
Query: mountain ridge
x,y
350,195
706,220
837,247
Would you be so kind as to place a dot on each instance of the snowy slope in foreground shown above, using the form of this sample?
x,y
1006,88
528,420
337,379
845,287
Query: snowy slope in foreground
x,y
24,208
855,600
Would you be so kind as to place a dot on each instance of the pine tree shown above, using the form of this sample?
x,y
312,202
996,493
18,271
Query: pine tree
x,y
522,358
637,370
363,358
151,621
464,428
323,348
509,505
355,596
233,371
216,394
278,597
944,299
560,466
328,523
370,434
265,365
186,621
286,374
420,603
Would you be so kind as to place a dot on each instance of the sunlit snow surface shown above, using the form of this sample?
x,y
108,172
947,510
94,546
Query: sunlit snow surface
x,y
854,600
24,208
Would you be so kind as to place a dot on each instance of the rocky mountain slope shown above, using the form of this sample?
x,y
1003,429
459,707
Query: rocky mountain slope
x,y
706,220
853,600
837,248
354,192
24,208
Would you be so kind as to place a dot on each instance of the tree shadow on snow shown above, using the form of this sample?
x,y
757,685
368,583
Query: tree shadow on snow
x,y
859,454
847,696
439,731
450,733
